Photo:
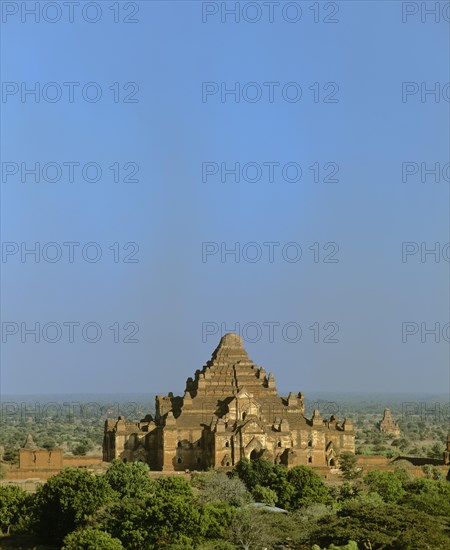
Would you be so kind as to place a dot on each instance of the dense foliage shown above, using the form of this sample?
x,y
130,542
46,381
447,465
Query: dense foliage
x,y
125,508
13,507
276,485
62,504
91,539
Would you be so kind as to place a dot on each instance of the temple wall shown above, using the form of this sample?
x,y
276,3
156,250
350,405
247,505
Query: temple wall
x,y
40,459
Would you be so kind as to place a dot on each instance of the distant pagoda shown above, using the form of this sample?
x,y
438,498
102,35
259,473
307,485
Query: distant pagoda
x,y
388,425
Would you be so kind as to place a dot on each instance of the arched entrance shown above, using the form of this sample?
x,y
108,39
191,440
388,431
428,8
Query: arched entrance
x,y
330,455
254,449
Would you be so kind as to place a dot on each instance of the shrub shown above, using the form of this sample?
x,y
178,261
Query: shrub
x,y
91,539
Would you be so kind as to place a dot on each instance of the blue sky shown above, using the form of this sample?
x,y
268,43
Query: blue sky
x,y
179,300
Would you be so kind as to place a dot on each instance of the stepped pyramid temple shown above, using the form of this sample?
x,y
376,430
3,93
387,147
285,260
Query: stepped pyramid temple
x,y
388,425
230,410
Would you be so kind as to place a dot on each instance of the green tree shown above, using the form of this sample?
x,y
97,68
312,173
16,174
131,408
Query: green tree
x,y
345,491
433,472
279,483
82,448
436,450
382,526
178,542
130,479
350,546
365,499
432,497
403,443
263,473
91,539
49,444
386,484
348,465
13,507
65,501
283,530
308,487
158,520
174,486
403,472
307,519
215,519
12,453
254,472
126,520
170,516
265,494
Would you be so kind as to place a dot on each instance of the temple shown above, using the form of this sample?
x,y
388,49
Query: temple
x,y
388,425
230,410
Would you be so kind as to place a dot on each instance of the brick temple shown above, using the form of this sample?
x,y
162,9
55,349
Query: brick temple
x,y
388,425
230,410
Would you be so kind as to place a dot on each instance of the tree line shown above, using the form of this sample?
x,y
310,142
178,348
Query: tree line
x,y
125,508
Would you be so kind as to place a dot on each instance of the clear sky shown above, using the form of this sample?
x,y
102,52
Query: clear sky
x,y
363,139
